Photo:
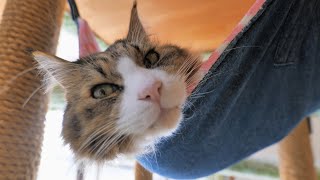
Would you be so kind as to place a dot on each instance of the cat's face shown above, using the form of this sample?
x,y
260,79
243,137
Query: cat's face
x,y
121,100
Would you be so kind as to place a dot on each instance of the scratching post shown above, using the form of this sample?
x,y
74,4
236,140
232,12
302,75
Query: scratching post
x,y
296,161
25,24
141,173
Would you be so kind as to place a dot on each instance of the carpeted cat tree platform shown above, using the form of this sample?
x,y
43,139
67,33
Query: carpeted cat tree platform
x,y
25,24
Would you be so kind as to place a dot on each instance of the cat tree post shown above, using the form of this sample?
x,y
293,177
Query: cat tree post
x,y
25,24
296,160
141,173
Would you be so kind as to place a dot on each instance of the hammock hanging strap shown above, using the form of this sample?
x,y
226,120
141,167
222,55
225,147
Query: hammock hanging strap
x,y
87,41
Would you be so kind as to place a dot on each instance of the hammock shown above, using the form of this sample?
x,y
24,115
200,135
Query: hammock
x,y
260,83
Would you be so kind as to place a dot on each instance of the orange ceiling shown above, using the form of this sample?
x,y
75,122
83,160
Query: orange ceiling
x,y
201,25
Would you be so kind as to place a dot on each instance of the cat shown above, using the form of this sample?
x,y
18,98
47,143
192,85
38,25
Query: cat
x,y
122,100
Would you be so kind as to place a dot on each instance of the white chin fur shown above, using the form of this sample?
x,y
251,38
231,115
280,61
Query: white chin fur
x,y
144,118
166,124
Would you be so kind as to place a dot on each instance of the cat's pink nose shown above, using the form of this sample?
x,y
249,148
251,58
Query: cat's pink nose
x,y
151,92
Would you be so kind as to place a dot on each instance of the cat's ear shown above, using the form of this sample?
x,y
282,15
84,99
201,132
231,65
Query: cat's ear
x,y
136,33
55,68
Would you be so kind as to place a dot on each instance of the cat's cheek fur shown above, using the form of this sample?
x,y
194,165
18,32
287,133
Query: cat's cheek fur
x,y
167,124
139,117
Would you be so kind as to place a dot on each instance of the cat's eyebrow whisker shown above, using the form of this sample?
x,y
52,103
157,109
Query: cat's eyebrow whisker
x,y
190,72
181,70
58,73
48,76
31,95
11,80
192,79
22,73
184,66
194,66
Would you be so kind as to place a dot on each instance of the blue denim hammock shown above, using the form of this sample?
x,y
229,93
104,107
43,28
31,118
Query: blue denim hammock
x,y
251,97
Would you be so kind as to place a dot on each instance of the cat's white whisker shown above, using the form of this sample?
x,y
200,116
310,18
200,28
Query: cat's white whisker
x,y
197,95
101,143
240,47
104,130
108,144
11,80
31,95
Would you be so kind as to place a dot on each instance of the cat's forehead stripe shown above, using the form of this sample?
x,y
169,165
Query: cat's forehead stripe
x,y
100,70
103,63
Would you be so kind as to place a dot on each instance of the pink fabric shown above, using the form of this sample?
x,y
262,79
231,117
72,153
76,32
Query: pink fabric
x,y
87,41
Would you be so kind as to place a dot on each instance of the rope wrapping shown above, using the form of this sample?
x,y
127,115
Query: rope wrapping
x,y
25,24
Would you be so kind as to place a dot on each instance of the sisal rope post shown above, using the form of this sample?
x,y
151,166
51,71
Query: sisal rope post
x,y
141,173
23,105
296,160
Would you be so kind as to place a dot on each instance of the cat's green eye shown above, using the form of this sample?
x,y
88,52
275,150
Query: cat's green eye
x,y
151,58
104,90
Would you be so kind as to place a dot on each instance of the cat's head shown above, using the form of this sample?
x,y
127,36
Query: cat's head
x,y
121,100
